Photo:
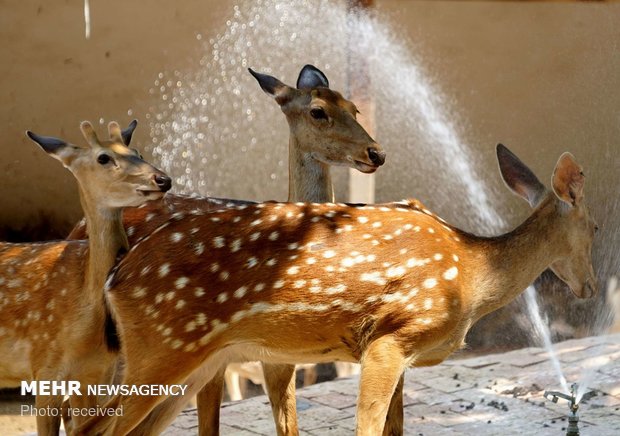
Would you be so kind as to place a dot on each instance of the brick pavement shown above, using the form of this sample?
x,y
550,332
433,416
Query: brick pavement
x,y
486,395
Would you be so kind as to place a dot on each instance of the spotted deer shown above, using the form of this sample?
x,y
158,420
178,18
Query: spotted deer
x,y
52,312
323,133
390,286
307,108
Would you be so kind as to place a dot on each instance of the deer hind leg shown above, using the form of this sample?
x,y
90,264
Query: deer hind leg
x,y
49,425
383,364
134,408
394,420
209,401
280,384
233,384
346,369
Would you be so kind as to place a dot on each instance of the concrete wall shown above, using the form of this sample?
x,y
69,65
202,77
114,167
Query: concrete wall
x,y
542,78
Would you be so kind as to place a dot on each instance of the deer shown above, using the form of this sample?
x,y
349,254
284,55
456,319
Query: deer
x,y
52,311
390,286
323,133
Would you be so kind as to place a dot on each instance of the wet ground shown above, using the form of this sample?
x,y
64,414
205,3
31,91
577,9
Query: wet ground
x,y
487,395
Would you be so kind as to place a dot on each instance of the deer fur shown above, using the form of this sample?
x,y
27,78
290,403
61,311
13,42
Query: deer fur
x,y
389,286
52,315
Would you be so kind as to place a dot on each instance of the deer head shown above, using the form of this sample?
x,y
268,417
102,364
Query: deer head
x,y
575,265
127,178
322,117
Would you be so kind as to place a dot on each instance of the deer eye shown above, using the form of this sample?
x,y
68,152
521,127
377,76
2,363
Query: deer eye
x,y
103,159
318,113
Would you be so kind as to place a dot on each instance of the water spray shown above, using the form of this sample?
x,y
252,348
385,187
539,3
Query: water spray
x,y
573,405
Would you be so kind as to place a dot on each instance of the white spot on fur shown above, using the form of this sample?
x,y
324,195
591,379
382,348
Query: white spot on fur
x,y
430,283
222,297
413,262
164,270
199,292
362,219
395,272
336,289
278,284
273,236
373,277
329,254
176,237
218,242
181,282
138,292
240,293
235,245
451,273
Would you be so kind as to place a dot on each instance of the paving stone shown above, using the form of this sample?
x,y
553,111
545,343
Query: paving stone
x,y
336,400
449,385
331,431
587,353
226,430
434,405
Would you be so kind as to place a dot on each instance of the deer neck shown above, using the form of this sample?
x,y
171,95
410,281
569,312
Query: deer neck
x,y
511,262
106,239
309,179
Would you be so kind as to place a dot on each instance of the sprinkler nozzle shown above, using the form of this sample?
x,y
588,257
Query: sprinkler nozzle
x,y
573,405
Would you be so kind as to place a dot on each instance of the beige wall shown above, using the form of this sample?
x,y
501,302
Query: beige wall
x,y
52,78
542,78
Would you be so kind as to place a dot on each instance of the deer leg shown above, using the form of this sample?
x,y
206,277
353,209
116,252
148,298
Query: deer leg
x,y
394,420
280,383
209,401
382,365
48,424
310,375
233,385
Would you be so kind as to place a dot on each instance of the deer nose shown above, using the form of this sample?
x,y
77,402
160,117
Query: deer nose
x,y
377,157
164,183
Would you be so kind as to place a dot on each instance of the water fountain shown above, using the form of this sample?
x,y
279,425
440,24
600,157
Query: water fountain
x,y
212,119
573,406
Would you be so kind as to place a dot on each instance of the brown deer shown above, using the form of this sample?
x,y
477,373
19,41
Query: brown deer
x,y
52,312
323,132
390,286
310,157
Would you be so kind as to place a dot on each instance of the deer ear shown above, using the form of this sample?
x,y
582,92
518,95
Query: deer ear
x,y
57,148
272,86
519,178
568,180
311,77
128,132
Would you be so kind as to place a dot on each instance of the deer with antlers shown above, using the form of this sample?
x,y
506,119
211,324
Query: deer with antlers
x,y
52,312
323,133
390,286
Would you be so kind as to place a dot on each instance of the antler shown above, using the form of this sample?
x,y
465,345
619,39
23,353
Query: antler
x,y
115,133
89,134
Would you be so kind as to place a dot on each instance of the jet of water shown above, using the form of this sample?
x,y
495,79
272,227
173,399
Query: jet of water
x,y
214,119
541,330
